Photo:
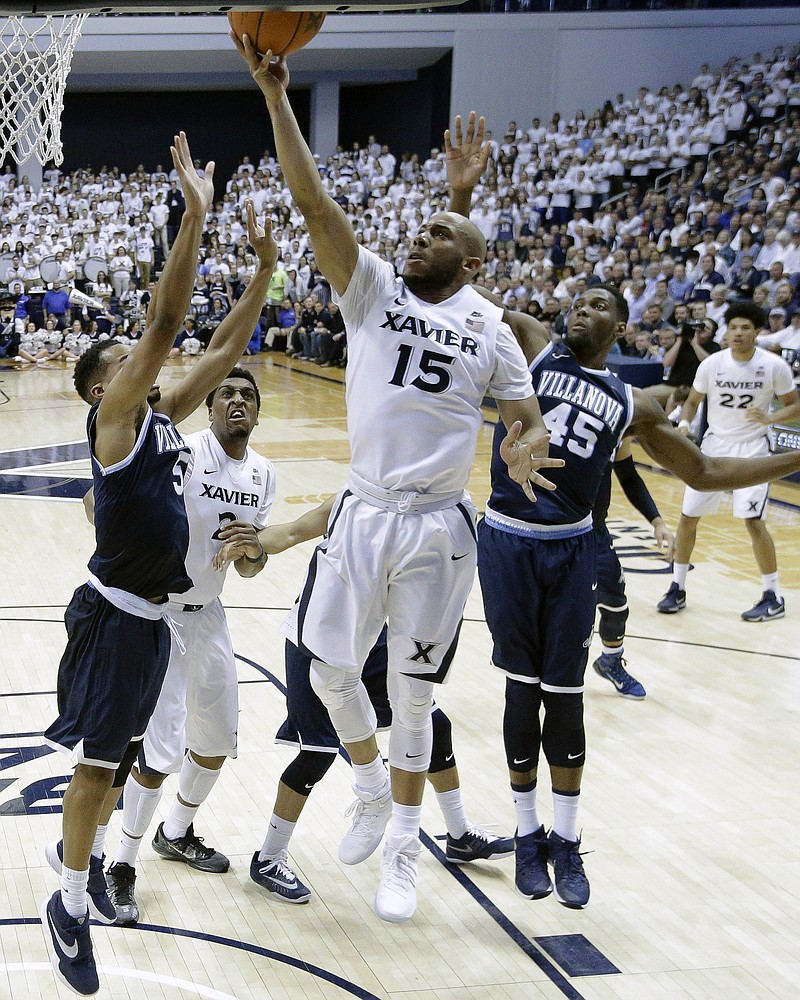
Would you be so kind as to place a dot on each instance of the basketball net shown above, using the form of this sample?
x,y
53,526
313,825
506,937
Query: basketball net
x,y
35,60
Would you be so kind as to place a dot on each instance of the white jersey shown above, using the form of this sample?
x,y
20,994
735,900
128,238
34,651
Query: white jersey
x,y
219,489
731,387
416,376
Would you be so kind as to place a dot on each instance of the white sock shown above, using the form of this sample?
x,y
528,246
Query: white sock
x,y
565,815
179,820
404,823
527,816
455,817
73,891
612,650
99,842
372,777
769,581
679,571
278,836
139,806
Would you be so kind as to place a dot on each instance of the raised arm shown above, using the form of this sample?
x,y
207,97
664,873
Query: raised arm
x,y
232,336
672,450
332,236
466,160
126,393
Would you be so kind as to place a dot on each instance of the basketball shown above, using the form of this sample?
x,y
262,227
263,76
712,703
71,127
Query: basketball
x,y
281,31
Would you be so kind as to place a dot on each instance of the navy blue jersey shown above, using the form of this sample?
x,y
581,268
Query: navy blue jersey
x,y
586,412
141,528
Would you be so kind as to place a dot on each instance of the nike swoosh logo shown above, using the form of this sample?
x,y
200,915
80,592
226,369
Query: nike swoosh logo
x,y
774,611
523,761
574,756
70,950
450,757
307,786
456,558
272,826
594,586
398,301
210,472
412,756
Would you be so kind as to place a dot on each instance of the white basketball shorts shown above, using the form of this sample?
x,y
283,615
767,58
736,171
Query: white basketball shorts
x,y
413,571
749,502
199,703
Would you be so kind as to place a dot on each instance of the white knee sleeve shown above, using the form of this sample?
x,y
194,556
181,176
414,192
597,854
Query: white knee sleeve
x,y
412,731
195,782
346,700
139,806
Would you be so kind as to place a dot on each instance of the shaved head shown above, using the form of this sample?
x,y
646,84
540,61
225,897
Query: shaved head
x,y
470,236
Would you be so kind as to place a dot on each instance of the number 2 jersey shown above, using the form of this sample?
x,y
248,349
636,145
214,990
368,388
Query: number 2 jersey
x,y
417,373
220,489
586,412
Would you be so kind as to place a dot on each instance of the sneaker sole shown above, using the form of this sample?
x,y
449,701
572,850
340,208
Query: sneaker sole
x,y
394,918
671,611
54,957
570,905
274,894
763,618
199,866
538,895
51,855
487,857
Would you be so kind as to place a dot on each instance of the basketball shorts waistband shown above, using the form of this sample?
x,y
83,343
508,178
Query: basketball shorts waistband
x,y
529,529
402,501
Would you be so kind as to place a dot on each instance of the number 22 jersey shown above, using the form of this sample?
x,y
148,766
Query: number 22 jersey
x,y
586,411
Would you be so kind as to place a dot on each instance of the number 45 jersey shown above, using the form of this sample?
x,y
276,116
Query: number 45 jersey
x,y
417,374
586,412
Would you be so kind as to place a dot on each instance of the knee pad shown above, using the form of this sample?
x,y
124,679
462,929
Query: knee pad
x,y
612,624
563,733
522,732
346,699
442,756
195,782
127,762
412,730
308,767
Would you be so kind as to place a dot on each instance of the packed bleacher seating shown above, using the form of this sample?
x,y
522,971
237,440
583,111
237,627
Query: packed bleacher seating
x,y
685,199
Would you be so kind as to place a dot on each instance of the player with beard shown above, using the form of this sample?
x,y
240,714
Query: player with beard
x,y
422,352
118,624
538,564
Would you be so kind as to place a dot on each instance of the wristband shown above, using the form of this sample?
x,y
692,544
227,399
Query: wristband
x,y
258,558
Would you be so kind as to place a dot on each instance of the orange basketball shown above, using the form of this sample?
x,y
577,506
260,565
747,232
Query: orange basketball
x,y
281,31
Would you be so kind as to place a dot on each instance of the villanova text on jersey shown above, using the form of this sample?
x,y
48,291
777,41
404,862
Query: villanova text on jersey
x,y
141,528
586,412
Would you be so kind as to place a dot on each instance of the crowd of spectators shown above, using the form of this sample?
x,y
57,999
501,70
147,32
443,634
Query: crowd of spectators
x,y
685,199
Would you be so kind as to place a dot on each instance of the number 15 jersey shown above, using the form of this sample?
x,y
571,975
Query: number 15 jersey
x,y
417,373
586,411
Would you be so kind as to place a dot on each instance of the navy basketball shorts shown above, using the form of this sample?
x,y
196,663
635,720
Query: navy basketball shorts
x,y
610,577
539,598
109,679
308,725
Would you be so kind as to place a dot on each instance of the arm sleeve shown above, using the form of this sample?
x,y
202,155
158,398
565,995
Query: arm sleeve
x,y
635,490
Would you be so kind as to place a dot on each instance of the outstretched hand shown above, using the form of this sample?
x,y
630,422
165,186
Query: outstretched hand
x,y
466,159
261,240
198,192
271,77
523,458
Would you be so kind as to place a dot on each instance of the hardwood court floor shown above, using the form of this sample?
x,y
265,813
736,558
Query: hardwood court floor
x,y
690,809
